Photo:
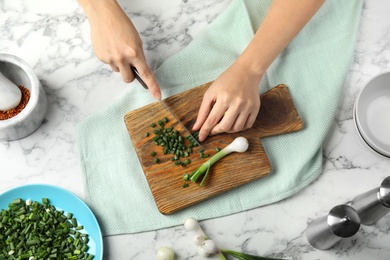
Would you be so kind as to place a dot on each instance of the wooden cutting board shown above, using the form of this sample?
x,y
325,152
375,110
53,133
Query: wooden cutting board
x,y
277,115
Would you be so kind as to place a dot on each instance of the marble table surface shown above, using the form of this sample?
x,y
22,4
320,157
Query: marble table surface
x,y
53,37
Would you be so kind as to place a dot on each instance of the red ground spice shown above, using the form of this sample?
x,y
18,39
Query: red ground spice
x,y
4,115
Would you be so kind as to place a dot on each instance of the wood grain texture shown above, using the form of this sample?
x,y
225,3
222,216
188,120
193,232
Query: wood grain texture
x,y
277,115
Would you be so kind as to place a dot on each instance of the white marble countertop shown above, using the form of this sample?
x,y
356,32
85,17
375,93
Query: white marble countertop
x,y
53,37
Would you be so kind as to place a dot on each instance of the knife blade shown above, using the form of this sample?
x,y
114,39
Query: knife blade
x,y
142,82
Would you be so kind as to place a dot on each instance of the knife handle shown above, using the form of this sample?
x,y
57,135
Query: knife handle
x,y
138,77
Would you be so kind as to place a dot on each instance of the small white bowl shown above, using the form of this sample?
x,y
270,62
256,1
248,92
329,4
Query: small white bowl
x,y
31,117
372,114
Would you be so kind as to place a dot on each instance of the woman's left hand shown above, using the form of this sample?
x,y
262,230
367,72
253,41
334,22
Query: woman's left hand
x,y
230,104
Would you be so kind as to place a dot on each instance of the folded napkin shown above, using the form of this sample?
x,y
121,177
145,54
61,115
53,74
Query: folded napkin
x,y
314,67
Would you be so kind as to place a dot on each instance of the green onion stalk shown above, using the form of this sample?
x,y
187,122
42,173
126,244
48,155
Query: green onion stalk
x,y
242,256
208,247
240,145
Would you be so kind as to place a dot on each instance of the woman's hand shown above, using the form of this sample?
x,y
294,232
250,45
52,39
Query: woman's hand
x,y
116,41
230,104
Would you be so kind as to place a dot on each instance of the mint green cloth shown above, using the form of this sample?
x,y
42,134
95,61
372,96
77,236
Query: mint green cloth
x,y
314,67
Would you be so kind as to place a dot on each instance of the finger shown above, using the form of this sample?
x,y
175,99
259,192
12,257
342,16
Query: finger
x,y
126,73
114,67
225,125
251,120
148,77
240,122
243,122
216,114
204,110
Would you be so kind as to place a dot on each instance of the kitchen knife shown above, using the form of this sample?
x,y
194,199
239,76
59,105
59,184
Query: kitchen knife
x,y
142,82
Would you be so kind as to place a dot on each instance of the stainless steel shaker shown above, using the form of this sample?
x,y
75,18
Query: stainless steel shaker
x,y
342,221
373,204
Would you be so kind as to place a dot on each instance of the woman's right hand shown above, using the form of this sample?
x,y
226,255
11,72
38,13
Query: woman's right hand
x,y
116,41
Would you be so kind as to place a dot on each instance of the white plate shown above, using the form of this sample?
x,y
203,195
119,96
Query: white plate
x,y
362,140
373,113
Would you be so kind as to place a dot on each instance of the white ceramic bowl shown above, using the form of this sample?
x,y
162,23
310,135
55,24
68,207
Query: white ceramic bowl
x,y
31,117
372,114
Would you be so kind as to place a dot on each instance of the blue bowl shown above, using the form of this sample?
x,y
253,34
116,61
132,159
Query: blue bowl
x,y
62,199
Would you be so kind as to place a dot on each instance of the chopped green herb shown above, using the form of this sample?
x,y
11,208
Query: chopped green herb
x,y
16,201
34,230
172,142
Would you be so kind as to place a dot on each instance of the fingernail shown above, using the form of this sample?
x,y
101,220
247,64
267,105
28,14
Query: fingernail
x,y
157,95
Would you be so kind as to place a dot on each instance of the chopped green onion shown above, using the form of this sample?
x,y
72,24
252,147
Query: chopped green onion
x,y
33,230
79,227
172,142
177,162
16,201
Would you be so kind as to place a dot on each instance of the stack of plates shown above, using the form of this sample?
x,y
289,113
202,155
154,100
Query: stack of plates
x,y
371,114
